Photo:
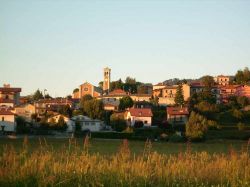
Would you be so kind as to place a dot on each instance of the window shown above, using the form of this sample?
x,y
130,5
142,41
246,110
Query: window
x,y
86,123
86,89
145,122
93,123
2,118
7,97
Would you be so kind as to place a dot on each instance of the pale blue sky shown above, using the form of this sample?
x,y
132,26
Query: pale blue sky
x,y
59,44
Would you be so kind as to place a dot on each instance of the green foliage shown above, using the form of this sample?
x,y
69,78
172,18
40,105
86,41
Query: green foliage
x,y
238,114
65,110
196,126
176,138
93,108
208,82
154,100
21,125
84,99
138,124
241,126
242,76
34,117
116,85
117,122
179,98
125,102
76,90
37,95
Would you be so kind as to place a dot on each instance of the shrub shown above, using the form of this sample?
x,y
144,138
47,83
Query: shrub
x,y
196,126
21,126
138,124
241,126
176,138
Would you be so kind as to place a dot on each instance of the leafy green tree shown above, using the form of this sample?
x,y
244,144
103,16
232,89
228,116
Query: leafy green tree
x,y
118,123
125,102
37,95
84,99
76,90
66,110
196,126
179,98
93,108
242,76
21,126
208,82
61,125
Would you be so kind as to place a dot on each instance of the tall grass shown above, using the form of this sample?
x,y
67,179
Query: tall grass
x,y
74,166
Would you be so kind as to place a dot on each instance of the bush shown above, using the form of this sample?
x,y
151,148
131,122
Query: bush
x,y
241,126
196,126
138,124
21,126
176,138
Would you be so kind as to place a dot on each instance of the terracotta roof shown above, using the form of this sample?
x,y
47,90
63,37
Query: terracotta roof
x,y
141,112
6,100
5,111
196,84
3,89
177,111
55,101
118,92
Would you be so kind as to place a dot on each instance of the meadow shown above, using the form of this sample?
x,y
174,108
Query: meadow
x,y
95,162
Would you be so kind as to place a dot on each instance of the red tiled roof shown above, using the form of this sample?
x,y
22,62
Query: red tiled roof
x,y
55,101
141,112
118,92
6,100
3,89
177,111
5,111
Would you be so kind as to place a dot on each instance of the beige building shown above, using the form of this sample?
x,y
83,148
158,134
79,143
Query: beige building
x,y
25,110
9,96
223,80
7,120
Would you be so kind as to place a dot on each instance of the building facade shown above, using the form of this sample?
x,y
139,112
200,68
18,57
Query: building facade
x,y
106,81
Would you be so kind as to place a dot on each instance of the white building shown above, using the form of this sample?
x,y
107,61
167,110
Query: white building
x,y
7,120
139,114
86,123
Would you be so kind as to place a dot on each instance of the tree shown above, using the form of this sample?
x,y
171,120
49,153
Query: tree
x,y
66,110
76,90
61,125
196,126
125,102
21,125
37,95
84,99
117,122
154,100
242,76
179,98
93,108
208,82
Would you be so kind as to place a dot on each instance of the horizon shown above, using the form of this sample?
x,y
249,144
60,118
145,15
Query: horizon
x,y
59,45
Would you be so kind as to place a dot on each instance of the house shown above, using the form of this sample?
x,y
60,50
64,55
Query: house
x,y
68,121
177,115
145,89
45,105
243,90
158,86
144,115
141,97
167,94
222,80
86,123
227,91
9,96
7,120
111,107
25,110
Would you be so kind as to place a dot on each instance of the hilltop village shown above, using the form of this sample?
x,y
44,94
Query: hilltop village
x,y
174,109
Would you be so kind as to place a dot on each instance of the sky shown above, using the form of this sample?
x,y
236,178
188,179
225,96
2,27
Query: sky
x,y
59,44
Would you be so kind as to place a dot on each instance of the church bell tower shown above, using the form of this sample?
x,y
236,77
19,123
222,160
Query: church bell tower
x,y
106,81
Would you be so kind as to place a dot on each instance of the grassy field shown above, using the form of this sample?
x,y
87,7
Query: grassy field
x,y
74,162
107,147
